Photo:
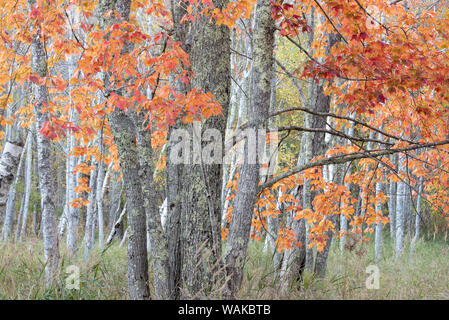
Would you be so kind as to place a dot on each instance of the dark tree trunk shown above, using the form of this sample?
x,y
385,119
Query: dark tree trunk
x,y
194,189
124,133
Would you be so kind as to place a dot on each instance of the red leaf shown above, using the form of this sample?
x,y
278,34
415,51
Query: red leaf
x,y
34,79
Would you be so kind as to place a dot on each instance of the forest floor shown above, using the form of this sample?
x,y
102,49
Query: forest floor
x,y
425,275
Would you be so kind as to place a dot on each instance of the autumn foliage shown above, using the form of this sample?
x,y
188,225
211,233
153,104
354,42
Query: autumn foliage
x,y
388,69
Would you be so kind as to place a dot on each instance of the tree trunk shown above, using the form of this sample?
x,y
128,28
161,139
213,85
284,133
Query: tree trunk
x,y
378,235
392,201
7,205
124,138
156,235
88,227
400,210
44,160
124,133
194,188
70,212
28,174
343,219
262,73
99,197
418,217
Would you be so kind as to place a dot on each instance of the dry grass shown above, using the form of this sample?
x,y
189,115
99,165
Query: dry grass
x,y
423,276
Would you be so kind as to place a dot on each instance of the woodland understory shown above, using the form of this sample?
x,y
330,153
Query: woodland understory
x,y
217,149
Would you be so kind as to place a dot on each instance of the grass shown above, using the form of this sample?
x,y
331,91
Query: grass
x,y
103,276
22,277
425,275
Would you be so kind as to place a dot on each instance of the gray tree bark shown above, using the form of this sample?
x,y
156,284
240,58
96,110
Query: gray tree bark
x,y
262,73
194,189
124,133
124,137
158,245
88,239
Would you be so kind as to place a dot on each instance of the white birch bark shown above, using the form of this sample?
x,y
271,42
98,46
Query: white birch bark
x,y
44,160
392,201
125,236
7,202
400,210
343,219
116,226
238,113
28,175
19,219
70,212
100,182
418,217
378,235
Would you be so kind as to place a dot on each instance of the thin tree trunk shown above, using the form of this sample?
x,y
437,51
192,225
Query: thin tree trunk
x,y
343,219
99,197
19,219
400,210
116,226
418,217
378,235
294,259
28,174
116,200
88,227
392,201
72,226
8,205
44,160
335,175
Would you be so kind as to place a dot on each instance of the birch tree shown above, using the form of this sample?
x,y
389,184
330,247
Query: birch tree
x,y
400,210
44,157
27,195
9,162
418,216
10,202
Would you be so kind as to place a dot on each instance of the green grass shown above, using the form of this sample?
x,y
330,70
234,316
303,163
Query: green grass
x,y
22,277
423,276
